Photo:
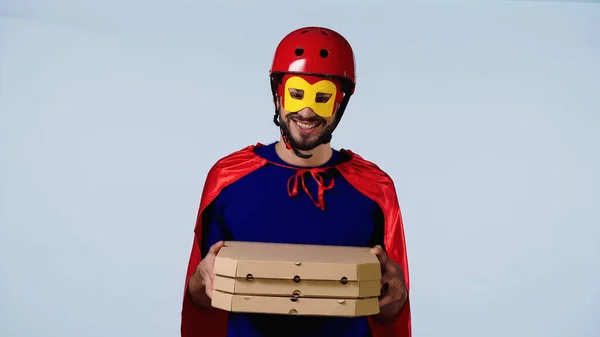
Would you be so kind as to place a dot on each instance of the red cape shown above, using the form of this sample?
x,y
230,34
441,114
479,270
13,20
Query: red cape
x,y
365,176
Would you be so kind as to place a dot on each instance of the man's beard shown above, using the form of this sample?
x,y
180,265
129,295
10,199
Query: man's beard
x,y
306,144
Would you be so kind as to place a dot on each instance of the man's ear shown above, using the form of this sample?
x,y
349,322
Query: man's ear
x,y
336,108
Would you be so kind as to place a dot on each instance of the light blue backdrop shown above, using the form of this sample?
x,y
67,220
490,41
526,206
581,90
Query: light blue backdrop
x,y
486,114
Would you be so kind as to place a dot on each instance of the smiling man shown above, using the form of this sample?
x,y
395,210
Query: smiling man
x,y
300,190
308,104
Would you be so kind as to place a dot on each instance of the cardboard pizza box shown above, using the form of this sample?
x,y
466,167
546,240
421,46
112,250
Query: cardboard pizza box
x,y
304,288
300,279
295,306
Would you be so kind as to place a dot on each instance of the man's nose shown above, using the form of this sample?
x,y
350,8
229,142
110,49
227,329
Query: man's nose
x,y
307,113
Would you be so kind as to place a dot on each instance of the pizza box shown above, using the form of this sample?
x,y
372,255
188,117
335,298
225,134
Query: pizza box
x,y
295,306
304,288
295,278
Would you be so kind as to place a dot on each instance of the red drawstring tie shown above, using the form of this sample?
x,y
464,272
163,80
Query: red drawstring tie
x,y
315,173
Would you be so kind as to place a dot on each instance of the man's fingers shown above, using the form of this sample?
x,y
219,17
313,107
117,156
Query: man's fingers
x,y
204,275
385,289
385,300
208,276
396,283
211,275
385,279
208,292
208,283
214,249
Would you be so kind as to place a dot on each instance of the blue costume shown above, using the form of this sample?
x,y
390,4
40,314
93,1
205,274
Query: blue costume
x,y
258,208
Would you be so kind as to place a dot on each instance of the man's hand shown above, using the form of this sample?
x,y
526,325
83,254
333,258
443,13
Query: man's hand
x,y
200,285
393,290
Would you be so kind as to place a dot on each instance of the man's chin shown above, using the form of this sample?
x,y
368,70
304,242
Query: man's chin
x,y
305,147
305,144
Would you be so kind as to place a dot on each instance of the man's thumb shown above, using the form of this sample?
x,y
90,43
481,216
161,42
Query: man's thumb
x,y
214,249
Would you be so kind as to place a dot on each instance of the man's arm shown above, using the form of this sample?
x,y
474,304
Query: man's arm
x,y
394,293
214,233
214,228
393,290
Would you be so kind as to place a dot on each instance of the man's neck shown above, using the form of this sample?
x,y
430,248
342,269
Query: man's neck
x,y
320,155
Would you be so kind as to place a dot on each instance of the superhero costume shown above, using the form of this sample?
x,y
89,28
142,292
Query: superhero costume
x,y
364,176
313,68
259,207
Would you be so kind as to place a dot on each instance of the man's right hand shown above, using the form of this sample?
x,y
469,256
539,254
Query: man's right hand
x,y
200,285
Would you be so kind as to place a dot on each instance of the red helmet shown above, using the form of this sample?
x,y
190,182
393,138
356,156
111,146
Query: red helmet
x,y
317,51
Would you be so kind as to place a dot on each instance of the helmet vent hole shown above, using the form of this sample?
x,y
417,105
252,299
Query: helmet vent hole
x,y
304,31
299,51
324,33
324,53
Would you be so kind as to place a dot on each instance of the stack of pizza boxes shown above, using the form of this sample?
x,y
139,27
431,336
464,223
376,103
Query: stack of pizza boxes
x,y
295,279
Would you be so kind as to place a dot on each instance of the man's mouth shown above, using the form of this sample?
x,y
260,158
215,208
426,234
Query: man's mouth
x,y
305,125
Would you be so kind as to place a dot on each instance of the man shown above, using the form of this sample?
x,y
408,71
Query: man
x,y
300,190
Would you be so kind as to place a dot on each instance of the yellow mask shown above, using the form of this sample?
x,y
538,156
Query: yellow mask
x,y
320,96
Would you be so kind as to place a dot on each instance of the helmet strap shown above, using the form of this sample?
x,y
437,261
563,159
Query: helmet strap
x,y
289,146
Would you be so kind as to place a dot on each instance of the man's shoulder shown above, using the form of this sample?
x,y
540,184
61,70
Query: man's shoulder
x,y
246,152
357,164
236,164
368,178
245,156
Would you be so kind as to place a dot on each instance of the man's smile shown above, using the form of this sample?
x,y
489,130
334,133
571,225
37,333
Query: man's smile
x,y
305,127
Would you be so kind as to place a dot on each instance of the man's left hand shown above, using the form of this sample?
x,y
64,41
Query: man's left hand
x,y
393,289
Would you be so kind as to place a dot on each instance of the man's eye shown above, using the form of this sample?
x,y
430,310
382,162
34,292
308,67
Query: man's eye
x,y
322,99
296,95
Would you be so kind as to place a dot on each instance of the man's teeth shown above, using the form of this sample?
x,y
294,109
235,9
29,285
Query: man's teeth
x,y
306,126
